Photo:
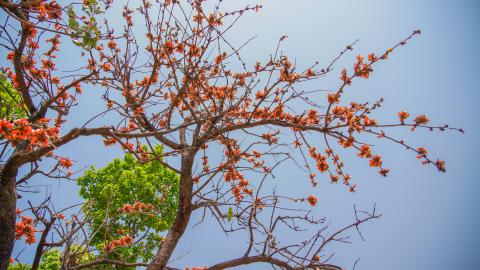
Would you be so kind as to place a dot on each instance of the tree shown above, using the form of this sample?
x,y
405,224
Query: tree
x,y
128,198
10,101
171,77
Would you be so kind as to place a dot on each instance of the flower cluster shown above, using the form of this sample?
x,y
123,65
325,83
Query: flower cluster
x,y
123,241
38,135
51,10
363,69
321,161
26,228
137,207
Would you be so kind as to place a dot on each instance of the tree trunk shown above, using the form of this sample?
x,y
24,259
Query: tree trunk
x,y
183,215
8,201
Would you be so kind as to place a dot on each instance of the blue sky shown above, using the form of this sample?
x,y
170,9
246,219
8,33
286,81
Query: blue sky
x,y
430,220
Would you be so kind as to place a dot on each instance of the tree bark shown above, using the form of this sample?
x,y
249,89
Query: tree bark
x,y
8,201
183,215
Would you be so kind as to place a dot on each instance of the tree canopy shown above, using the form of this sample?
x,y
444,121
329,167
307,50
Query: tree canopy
x,y
169,77
128,197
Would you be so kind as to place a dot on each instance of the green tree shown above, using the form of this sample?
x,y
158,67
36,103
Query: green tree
x,y
126,182
50,261
11,106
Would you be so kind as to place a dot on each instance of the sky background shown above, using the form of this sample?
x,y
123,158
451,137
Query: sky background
x,y
430,220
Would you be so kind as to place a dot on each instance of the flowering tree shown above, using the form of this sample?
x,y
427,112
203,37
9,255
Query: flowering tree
x,y
171,77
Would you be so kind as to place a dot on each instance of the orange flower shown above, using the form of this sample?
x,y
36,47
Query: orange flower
x,y
106,67
168,47
322,164
422,152
312,200
121,242
376,161
219,58
365,151
312,117
180,48
333,98
346,143
194,51
421,119
127,208
30,240
66,163
26,228
42,11
112,44
109,141
47,64
403,115
78,88
212,21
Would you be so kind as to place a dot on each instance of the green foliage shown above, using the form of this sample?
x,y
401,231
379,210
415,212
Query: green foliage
x,y
50,260
10,101
128,181
19,266
85,32
80,255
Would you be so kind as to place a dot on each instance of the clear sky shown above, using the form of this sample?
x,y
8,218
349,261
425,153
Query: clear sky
x,y
430,219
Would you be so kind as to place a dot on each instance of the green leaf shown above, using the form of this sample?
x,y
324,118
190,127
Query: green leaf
x,y
230,214
11,103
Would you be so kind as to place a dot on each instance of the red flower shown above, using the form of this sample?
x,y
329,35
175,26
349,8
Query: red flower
x,y
127,208
312,200
66,163
403,115
112,44
364,151
376,161
421,119
422,152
